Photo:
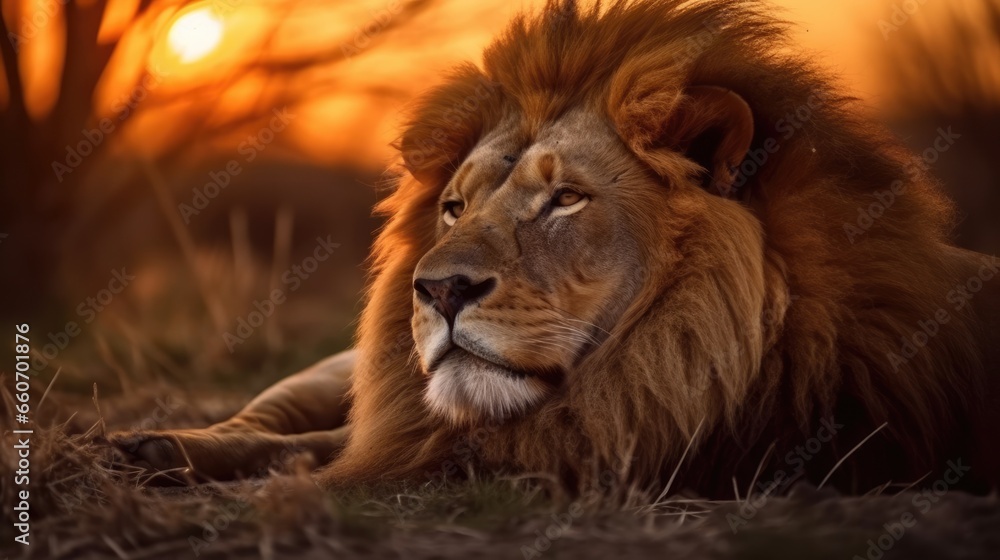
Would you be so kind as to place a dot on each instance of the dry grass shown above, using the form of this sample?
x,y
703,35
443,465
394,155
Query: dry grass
x,y
85,506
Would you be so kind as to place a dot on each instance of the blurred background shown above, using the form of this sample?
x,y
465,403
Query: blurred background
x,y
167,165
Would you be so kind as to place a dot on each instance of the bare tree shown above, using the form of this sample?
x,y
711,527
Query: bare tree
x,y
46,209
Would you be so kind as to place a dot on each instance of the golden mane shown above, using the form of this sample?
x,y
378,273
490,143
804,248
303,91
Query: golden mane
x,y
789,310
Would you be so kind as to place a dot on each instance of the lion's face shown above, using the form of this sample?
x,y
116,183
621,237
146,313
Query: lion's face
x,y
535,260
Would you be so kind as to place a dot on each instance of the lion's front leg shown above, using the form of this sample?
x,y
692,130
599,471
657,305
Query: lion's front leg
x,y
213,454
305,412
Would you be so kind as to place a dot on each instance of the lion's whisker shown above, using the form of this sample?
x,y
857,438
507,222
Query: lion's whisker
x,y
583,334
567,316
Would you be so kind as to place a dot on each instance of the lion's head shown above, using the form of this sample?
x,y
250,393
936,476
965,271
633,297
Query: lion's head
x,y
538,253
630,227
545,239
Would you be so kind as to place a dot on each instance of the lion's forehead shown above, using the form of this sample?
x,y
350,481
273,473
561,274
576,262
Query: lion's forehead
x,y
510,155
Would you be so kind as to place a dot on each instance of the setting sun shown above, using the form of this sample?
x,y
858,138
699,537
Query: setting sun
x,y
195,34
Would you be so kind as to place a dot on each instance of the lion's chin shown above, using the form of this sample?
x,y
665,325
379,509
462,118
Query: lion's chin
x,y
467,389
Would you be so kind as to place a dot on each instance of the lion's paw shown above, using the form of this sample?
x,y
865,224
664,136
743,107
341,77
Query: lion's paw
x,y
158,452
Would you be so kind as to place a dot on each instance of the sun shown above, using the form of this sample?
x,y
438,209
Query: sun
x,y
195,34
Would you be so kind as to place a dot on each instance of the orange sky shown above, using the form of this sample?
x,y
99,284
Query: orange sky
x,y
347,121
839,32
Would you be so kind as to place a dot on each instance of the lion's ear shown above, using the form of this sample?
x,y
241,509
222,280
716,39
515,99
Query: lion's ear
x,y
713,127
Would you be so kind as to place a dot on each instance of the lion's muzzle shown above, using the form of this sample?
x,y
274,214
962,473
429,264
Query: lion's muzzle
x,y
449,295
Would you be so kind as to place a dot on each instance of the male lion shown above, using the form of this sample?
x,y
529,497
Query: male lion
x,y
645,240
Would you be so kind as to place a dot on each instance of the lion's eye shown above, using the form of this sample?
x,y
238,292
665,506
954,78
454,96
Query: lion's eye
x,y
566,198
453,210
568,201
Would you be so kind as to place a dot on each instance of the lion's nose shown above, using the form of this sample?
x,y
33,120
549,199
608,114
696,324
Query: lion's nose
x,y
450,295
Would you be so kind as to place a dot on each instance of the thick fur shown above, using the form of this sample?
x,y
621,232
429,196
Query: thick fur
x,y
790,320
762,338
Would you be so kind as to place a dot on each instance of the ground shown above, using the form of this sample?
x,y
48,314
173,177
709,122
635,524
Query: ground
x,y
83,506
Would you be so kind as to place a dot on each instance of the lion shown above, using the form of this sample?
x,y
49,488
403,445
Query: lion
x,y
646,243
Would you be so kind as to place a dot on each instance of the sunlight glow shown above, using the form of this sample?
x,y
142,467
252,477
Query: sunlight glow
x,y
195,34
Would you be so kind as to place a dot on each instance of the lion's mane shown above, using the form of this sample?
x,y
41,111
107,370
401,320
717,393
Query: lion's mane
x,y
778,315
